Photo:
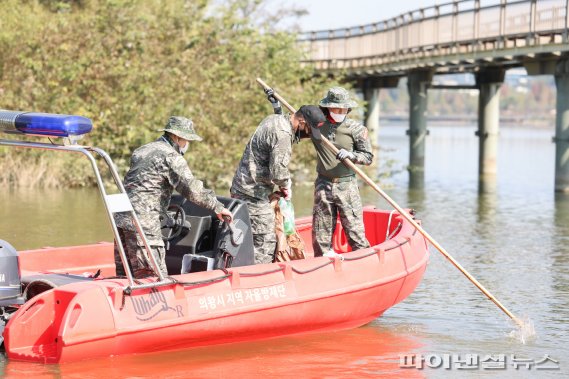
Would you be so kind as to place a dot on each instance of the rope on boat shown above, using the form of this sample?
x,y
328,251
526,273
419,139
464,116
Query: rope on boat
x,y
206,281
261,273
398,227
227,274
388,224
312,269
395,231
373,252
389,248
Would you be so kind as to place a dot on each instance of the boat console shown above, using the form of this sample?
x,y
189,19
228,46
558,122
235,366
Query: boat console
x,y
201,242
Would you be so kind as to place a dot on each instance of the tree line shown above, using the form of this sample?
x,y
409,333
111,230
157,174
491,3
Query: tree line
x,y
128,65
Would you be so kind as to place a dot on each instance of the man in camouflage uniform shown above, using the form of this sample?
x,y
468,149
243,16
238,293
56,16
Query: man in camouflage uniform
x,y
336,188
264,164
156,170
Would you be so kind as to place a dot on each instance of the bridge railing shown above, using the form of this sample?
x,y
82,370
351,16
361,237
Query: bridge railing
x,y
466,25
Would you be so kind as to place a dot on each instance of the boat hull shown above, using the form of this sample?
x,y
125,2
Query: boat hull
x,y
97,318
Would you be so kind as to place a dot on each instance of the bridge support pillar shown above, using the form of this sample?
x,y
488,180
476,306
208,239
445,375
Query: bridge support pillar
x,y
372,112
417,83
488,81
561,138
371,96
371,88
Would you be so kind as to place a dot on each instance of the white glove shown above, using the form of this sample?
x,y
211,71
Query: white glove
x,y
343,154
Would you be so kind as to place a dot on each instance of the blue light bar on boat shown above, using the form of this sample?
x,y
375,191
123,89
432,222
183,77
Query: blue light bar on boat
x,y
44,124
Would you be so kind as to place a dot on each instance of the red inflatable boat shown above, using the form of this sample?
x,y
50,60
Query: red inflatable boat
x,y
92,318
66,304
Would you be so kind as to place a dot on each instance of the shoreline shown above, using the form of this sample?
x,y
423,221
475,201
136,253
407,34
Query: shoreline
x,y
469,121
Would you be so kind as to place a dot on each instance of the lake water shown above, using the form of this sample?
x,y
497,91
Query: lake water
x,y
512,234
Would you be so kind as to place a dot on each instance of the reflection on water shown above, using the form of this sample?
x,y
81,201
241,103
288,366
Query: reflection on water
x,y
377,352
486,216
415,199
560,257
561,215
487,184
416,179
510,233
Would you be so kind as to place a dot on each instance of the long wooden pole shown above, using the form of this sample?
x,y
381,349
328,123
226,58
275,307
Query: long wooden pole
x,y
405,214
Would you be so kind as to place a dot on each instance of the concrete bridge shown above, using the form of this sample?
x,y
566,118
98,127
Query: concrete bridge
x,y
482,37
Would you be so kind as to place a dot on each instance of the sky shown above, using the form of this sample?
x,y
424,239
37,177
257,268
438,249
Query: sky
x,y
333,14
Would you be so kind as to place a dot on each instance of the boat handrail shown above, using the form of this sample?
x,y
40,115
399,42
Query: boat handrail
x,y
114,203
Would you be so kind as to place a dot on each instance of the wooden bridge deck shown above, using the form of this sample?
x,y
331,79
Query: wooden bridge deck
x,y
454,37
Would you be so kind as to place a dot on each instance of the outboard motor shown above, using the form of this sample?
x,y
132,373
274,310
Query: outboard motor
x,y
10,285
206,243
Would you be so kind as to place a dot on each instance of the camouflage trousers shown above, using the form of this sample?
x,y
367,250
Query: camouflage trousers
x,y
139,265
262,227
331,199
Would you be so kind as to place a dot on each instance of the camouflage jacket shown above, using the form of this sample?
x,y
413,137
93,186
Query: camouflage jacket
x,y
265,160
156,170
349,135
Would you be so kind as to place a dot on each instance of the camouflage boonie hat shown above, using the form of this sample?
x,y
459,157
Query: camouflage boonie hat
x,y
181,127
338,97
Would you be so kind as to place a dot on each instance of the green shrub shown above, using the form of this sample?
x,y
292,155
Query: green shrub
x,y
128,65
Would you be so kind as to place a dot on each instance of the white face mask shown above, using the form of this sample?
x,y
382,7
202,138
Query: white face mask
x,y
338,117
185,148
